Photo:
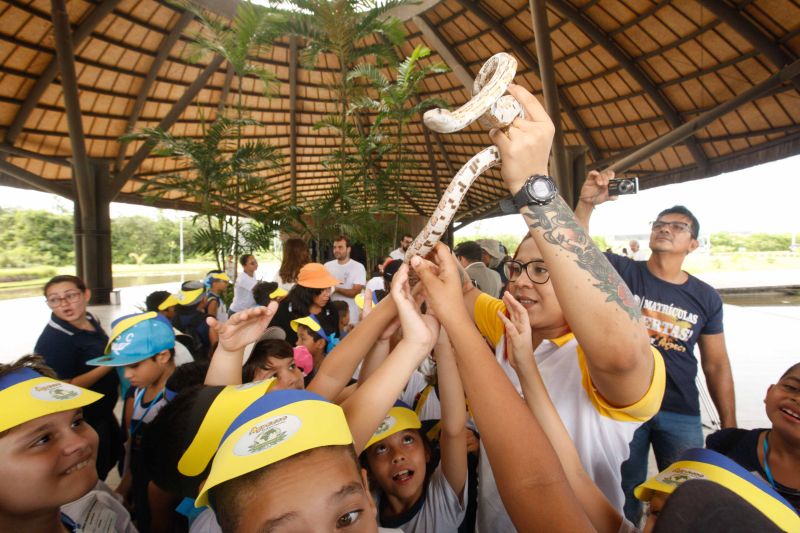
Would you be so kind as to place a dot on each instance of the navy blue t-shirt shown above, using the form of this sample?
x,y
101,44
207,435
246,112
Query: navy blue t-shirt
x,y
66,349
675,316
741,445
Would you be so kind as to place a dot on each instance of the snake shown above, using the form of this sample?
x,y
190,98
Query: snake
x,y
493,108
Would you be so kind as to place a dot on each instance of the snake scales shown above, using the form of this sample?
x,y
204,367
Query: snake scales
x,y
494,109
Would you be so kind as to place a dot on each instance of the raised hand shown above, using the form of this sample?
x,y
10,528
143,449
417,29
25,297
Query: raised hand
x,y
243,327
417,328
518,334
595,189
525,145
441,280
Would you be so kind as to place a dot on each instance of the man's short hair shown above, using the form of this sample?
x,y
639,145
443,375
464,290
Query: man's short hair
x,y
469,250
344,238
681,210
406,236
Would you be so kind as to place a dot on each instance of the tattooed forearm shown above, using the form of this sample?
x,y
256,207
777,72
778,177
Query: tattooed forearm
x,y
560,227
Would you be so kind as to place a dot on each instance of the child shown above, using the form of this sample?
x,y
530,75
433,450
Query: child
x,y
311,335
216,284
145,345
164,303
266,291
48,454
411,494
343,311
288,461
771,454
273,358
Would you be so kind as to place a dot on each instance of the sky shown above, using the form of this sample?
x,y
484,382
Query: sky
x,y
760,199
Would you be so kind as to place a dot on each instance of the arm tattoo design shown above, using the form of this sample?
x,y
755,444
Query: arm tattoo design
x,y
561,228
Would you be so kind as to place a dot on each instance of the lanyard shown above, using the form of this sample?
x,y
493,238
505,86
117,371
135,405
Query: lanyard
x,y
70,524
137,423
766,462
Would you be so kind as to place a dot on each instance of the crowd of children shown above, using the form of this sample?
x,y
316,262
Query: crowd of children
x,y
443,409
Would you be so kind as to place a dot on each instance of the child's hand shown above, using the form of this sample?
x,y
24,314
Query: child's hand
x,y
419,328
243,327
518,333
443,288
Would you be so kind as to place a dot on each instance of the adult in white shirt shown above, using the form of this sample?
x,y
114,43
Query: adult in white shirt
x,y
636,253
400,251
351,272
243,288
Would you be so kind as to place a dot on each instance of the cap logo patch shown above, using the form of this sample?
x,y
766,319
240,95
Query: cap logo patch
x,y
679,476
55,391
120,344
386,425
267,435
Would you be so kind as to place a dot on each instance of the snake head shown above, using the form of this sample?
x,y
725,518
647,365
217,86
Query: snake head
x,y
488,100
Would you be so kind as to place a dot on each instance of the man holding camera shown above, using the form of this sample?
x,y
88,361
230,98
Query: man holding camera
x,y
679,311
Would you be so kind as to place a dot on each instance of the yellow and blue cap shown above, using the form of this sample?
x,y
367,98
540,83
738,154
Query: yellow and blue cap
x,y
191,292
170,301
134,338
219,275
399,417
311,322
26,395
699,463
273,428
360,299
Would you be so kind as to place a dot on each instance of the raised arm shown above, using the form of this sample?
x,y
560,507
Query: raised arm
x,y
368,405
520,354
525,466
593,193
241,329
594,299
453,437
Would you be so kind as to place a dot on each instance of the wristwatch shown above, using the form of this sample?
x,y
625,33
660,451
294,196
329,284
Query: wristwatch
x,y
537,190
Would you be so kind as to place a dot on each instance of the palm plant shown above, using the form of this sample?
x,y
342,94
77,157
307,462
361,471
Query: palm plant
x,y
209,169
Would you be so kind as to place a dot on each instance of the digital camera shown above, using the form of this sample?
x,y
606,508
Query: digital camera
x,y
623,186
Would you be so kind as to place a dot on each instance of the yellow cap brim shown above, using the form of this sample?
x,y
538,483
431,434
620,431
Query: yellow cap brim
x,y
37,397
398,419
274,436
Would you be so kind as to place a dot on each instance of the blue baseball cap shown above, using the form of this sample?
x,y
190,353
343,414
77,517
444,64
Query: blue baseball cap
x,y
134,338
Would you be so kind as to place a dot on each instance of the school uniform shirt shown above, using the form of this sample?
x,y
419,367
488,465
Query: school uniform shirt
x,y
222,309
350,273
243,293
422,397
600,431
438,510
98,512
376,284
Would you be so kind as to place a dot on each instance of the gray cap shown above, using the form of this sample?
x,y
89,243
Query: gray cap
x,y
491,247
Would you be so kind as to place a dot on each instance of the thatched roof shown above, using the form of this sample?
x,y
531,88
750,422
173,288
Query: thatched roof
x,y
628,72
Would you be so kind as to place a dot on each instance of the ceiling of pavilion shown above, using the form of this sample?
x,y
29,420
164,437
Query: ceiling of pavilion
x,y
628,72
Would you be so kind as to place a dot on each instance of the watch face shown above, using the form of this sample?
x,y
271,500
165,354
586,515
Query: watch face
x,y
542,189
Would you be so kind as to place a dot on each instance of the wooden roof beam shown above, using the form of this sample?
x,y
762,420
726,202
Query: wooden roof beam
x,y
141,97
599,37
36,181
735,19
20,152
166,123
49,74
788,74
82,174
523,53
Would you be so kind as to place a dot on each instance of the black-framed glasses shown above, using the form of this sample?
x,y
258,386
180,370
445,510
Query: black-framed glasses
x,y
70,297
535,270
675,226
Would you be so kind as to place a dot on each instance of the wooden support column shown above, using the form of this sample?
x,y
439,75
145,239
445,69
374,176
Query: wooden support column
x,y
547,74
293,43
82,175
102,179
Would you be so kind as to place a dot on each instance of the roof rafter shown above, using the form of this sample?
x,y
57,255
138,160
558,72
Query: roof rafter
x,y
598,36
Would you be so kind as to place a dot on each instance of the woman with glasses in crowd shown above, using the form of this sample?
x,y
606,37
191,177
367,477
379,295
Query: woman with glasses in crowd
x,y
71,337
